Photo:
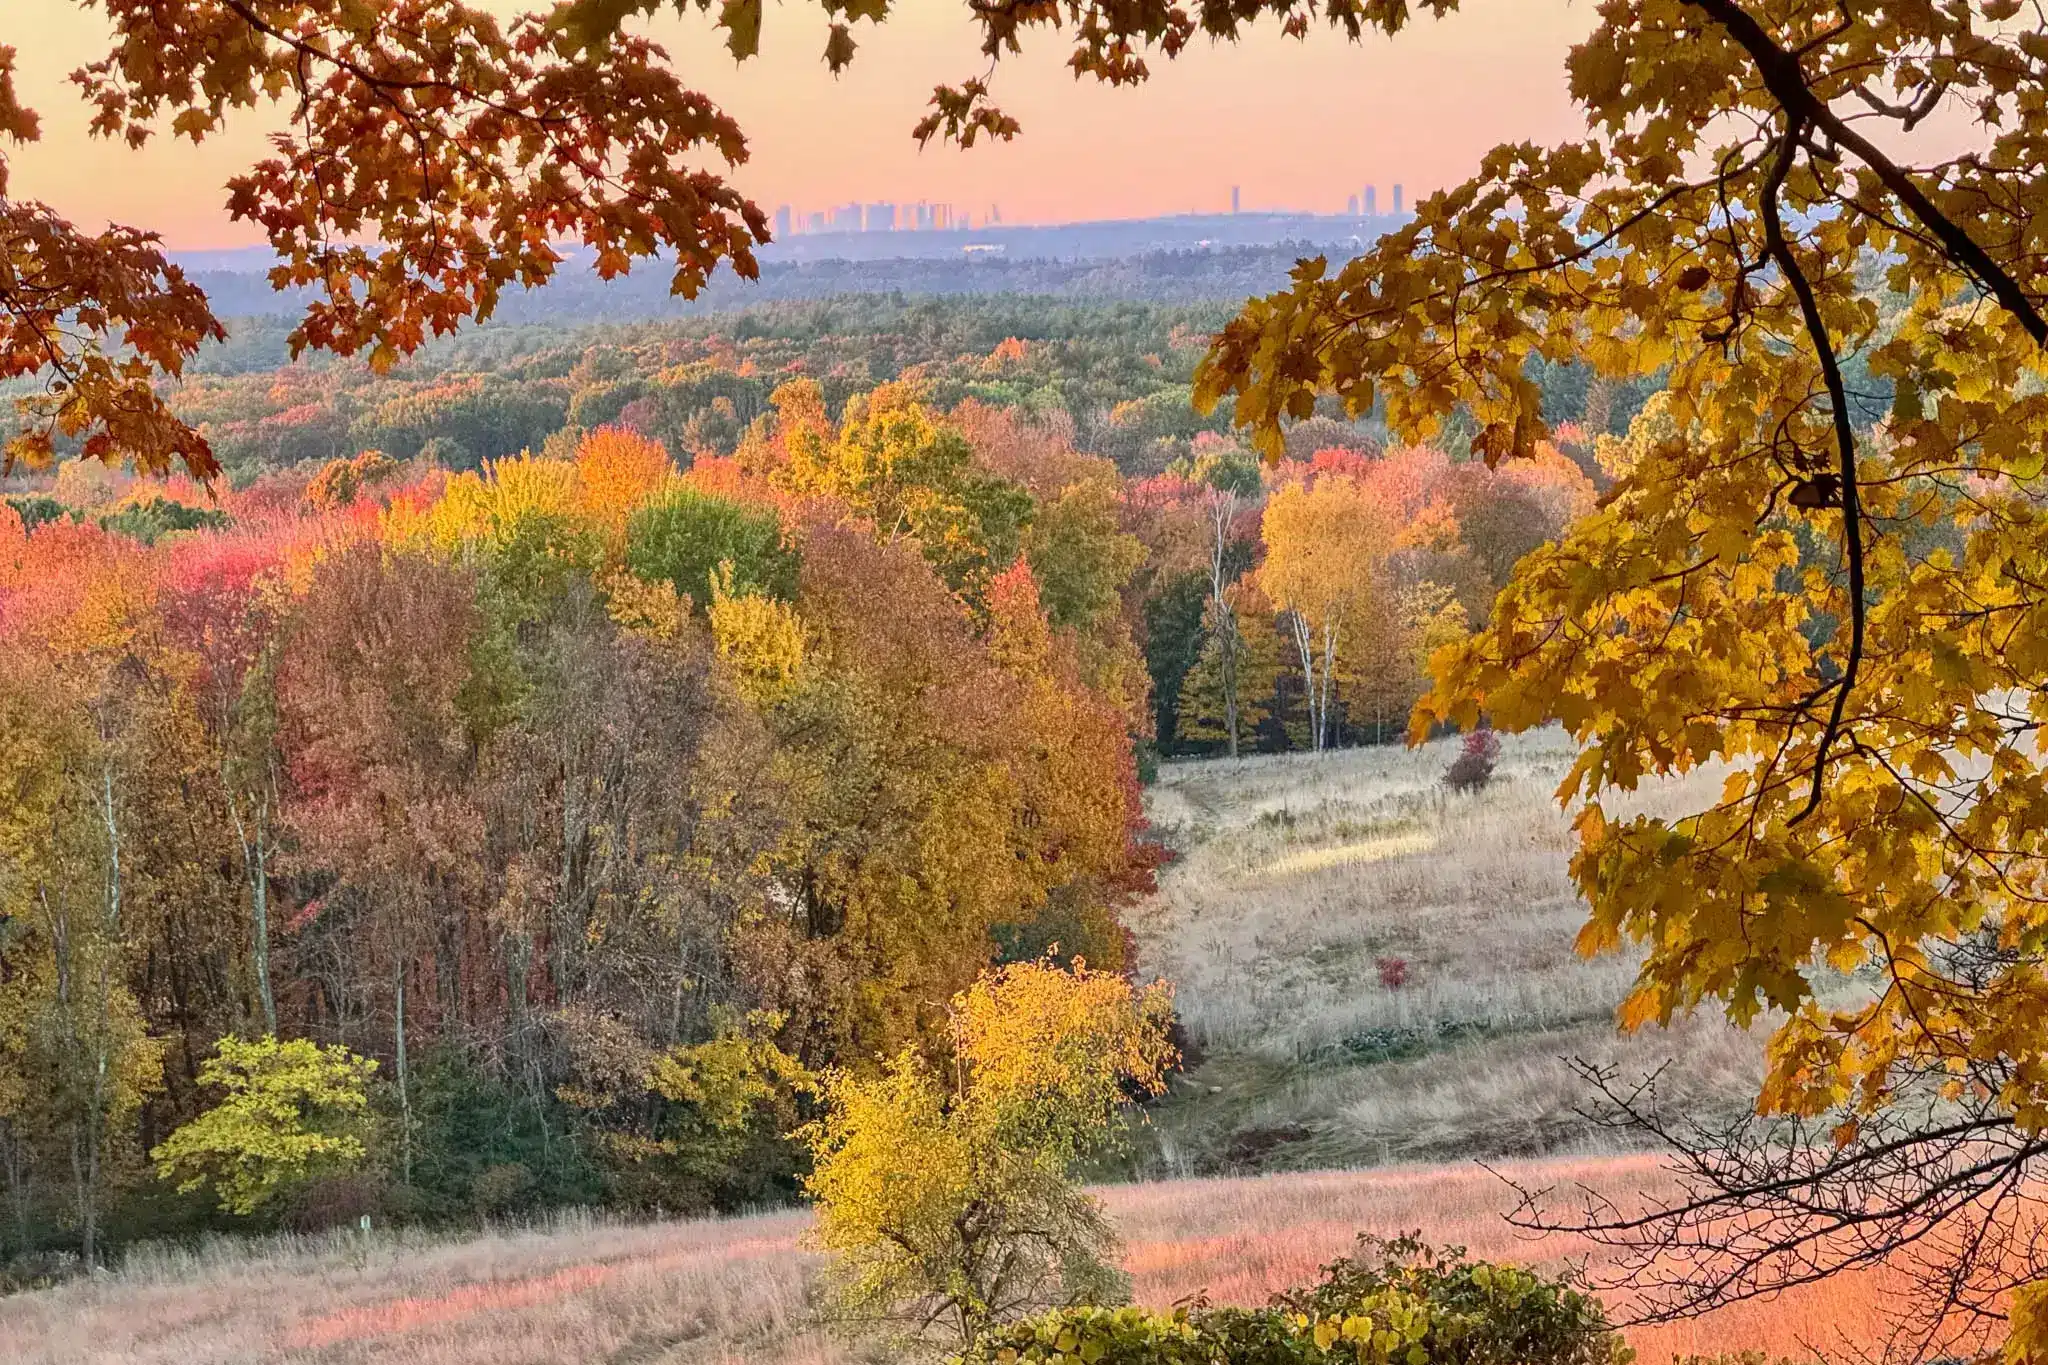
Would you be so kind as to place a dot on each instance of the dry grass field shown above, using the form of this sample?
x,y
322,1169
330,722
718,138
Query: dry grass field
x,y
1295,876
583,1292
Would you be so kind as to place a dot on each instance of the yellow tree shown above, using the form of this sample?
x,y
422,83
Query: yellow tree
x,y
1820,576
945,1191
290,1111
1327,542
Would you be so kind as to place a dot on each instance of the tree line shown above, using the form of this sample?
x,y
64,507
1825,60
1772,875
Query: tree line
x,y
596,797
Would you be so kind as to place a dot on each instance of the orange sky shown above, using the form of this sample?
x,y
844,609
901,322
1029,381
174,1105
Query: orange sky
x,y
1296,125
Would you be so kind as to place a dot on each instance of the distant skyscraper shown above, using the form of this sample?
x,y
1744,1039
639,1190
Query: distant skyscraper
x,y
815,223
1397,196
881,218
922,217
784,221
995,214
1351,206
846,218
1234,201
1372,201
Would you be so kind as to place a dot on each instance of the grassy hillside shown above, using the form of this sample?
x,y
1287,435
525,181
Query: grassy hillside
x,y
1297,877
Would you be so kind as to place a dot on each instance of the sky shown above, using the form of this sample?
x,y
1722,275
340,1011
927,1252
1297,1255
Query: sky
x,y
1295,125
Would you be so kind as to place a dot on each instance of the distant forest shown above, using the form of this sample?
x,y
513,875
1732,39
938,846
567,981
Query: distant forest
x,y
597,726
1222,275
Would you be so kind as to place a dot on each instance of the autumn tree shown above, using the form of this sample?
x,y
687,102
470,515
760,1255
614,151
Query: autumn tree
x,y
384,710
461,144
1327,543
945,1190
289,1112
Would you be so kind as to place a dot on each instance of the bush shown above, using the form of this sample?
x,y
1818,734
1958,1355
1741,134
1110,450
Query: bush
x,y
1394,1303
291,1112
1472,769
151,520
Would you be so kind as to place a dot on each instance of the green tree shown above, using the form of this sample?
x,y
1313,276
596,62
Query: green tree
x,y
684,536
1081,557
291,1111
895,464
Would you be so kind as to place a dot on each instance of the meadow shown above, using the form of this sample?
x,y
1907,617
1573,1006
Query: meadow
x,y
1294,878
579,1289
1372,969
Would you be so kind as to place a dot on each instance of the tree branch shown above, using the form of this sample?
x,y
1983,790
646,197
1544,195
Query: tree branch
x,y
1786,80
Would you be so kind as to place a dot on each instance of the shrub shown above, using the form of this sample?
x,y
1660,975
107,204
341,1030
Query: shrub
x,y
340,482
1395,1303
151,520
36,509
292,1112
501,1189
1393,972
1472,769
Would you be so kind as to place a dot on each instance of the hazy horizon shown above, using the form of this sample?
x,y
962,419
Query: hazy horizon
x,y
1270,116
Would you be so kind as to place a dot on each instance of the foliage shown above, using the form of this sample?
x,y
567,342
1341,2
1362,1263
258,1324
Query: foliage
x,y
341,481
693,1126
945,1192
1472,769
685,538
1398,1303
291,1111
153,518
908,474
489,1145
464,144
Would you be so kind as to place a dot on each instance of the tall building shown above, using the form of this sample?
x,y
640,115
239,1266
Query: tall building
x,y
1234,201
881,218
846,218
995,215
1372,201
1351,206
922,217
1397,196
785,219
815,223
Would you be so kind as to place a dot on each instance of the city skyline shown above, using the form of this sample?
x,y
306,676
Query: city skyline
x,y
1087,153
922,215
